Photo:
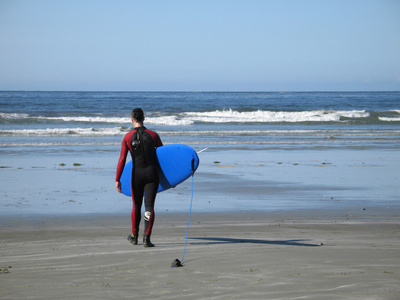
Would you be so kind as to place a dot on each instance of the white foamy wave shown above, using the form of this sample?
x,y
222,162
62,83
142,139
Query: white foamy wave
x,y
13,116
392,118
259,116
387,119
227,116
218,116
165,120
115,131
168,121
83,119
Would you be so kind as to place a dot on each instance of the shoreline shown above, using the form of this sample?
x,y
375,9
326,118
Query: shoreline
x,y
230,180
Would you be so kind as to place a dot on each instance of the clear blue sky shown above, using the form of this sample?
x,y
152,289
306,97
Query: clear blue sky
x,y
203,45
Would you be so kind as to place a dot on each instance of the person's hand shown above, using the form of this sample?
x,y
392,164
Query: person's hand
x,y
118,186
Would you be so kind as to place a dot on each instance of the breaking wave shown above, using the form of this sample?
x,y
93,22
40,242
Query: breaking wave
x,y
217,116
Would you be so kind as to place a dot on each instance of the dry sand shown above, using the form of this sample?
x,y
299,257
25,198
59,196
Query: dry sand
x,y
299,255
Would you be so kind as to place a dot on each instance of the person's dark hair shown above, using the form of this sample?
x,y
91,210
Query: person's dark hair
x,y
138,115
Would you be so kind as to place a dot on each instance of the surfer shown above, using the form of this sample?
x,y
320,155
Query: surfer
x,y
142,144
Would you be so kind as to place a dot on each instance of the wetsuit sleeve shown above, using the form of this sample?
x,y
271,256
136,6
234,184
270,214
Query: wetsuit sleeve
x,y
157,141
122,159
155,137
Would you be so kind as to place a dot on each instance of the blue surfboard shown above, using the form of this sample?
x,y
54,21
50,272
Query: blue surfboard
x,y
176,162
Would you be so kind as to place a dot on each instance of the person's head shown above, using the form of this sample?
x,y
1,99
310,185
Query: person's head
x,y
138,115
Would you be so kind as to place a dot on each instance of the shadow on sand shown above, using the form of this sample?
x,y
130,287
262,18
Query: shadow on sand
x,y
216,240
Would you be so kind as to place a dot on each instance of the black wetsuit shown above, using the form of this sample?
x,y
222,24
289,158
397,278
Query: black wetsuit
x,y
142,144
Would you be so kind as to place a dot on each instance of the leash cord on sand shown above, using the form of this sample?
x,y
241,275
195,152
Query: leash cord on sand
x,y
176,262
190,212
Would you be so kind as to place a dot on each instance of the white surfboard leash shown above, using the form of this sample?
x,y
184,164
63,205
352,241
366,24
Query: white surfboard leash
x,y
202,150
177,262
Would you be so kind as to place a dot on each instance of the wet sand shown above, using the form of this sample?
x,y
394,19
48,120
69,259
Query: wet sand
x,y
303,254
296,224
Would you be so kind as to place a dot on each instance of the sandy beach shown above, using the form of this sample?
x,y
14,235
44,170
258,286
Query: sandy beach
x,y
265,225
308,254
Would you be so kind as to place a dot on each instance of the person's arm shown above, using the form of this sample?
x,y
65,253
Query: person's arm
x,y
121,165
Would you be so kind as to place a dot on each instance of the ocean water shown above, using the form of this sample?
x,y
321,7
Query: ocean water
x,y
265,151
220,119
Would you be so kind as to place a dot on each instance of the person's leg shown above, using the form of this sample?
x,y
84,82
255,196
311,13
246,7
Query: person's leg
x,y
136,214
150,192
137,200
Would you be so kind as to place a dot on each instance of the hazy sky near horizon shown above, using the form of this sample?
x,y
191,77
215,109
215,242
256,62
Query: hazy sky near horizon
x,y
203,45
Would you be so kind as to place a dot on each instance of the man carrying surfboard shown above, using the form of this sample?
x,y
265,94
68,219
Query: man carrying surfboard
x,y
142,144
